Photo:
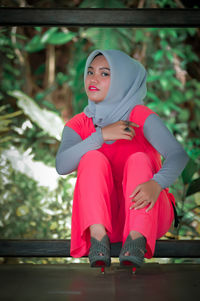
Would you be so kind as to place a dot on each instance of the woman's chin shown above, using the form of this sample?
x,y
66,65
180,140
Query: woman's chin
x,y
96,100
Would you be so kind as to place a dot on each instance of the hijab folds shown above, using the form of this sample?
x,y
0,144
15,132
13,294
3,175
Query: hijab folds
x,y
127,88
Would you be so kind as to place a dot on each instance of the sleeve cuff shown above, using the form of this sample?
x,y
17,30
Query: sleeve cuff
x,y
98,137
156,179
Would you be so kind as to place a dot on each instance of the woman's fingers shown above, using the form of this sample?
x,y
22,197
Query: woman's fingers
x,y
137,189
138,197
128,130
128,134
119,130
150,206
139,200
134,124
142,205
145,193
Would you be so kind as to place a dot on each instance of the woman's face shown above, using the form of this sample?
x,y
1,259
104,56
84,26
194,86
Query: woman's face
x,y
97,81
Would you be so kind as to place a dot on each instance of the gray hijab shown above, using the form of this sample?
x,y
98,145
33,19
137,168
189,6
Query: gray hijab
x,y
127,88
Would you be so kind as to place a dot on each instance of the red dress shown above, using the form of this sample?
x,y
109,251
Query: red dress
x,y
106,177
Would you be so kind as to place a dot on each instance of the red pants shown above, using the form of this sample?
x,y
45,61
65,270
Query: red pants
x,y
100,198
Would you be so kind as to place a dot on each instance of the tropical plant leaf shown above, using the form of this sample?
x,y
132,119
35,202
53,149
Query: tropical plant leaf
x,y
23,162
5,139
189,171
48,121
107,38
47,35
59,38
35,44
194,187
102,4
11,115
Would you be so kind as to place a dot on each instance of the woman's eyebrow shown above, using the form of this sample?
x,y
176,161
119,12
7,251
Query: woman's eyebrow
x,y
99,68
104,68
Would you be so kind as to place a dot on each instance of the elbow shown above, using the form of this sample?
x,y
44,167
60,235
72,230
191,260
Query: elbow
x,y
184,158
59,167
60,171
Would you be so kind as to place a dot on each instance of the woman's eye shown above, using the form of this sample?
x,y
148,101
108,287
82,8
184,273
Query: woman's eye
x,y
89,72
105,74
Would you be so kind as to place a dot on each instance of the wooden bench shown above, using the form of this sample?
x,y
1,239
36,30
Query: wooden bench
x,y
61,248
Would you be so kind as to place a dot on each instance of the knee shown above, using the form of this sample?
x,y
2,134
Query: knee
x,y
93,156
93,159
138,168
138,158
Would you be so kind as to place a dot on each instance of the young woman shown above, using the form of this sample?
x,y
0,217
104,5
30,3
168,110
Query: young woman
x,y
121,193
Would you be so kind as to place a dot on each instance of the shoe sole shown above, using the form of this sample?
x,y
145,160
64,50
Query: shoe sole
x,y
100,263
133,261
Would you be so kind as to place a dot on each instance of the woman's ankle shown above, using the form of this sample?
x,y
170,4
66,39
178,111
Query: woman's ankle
x,y
97,231
135,234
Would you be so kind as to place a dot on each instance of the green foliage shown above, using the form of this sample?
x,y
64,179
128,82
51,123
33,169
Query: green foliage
x,y
101,38
9,71
29,211
189,171
51,36
102,4
46,120
194,187
5,122
163,3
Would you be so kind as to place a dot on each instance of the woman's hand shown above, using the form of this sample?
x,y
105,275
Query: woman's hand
x,y
144,194
116,131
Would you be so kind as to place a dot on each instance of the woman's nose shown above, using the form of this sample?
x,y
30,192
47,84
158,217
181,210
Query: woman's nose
x,y
94,79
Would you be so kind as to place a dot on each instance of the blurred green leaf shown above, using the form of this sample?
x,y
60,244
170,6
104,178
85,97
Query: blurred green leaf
x,y
47,35
59,38
170,56
35,44
139,36
19,36
54,226
22,210
189,171
61,78
39,29
47,120
158,55
184,115
194,187
102,4
107,38
40,70
164,83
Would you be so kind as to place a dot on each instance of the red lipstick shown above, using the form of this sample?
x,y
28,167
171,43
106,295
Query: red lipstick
x,y
93,88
